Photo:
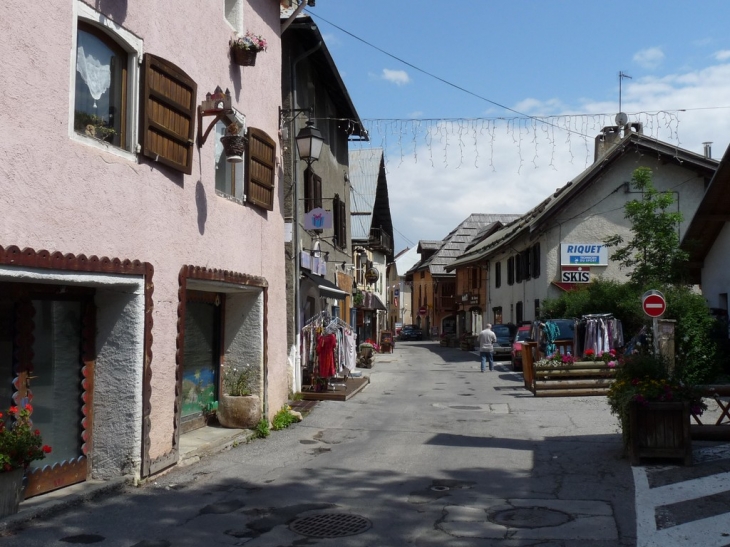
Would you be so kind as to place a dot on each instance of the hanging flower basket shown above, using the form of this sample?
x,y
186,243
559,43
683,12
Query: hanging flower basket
x,y
234,146
245,47
243,57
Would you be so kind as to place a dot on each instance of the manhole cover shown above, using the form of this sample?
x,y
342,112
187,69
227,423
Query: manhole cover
x,y
529,517
330,525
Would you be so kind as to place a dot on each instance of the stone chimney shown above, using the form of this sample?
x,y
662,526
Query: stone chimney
x,y
612,134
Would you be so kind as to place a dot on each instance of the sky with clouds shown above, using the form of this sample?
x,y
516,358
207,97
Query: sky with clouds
x,y
487,107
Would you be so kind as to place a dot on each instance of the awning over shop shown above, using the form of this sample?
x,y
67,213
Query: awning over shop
x,y
371,301
326,288
564,286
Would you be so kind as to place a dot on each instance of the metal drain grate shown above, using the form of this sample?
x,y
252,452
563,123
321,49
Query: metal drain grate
x,y
330,525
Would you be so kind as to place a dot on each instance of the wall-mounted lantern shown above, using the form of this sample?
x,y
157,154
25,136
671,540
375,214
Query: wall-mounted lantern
x,y
309,143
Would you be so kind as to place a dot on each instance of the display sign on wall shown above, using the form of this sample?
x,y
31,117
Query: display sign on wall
x,y
588,254
372,275
318,219
575,274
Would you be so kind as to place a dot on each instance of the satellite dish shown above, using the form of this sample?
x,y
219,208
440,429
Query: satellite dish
x,y
622,119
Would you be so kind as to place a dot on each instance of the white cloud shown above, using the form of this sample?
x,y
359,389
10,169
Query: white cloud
x,y
416,114
440,173
649,58
722,55
535,107
398,77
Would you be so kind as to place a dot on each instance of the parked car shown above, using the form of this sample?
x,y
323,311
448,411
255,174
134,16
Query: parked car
x,y
411,332
523,335
505,336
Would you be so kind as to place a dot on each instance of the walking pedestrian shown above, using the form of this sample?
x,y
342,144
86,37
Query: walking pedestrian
x,y
487,338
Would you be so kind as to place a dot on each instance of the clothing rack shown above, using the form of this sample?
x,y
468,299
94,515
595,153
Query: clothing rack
x,y
336,322
324,324
321,316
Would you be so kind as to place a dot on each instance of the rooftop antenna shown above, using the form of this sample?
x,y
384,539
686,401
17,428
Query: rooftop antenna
x,y
621,118
624,118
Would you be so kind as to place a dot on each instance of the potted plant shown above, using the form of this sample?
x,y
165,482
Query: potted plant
x,y
653,409
93,126
20,444
244,48
234,144
238,407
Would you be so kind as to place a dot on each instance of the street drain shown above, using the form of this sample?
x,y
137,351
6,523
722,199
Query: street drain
x,y
330,525
440,488
465,407
529,517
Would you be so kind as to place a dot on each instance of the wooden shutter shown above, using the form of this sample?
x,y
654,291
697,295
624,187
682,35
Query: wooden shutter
x,y
312,190
318,191
260,169
339,222
167,114
308,191
342,237
336,220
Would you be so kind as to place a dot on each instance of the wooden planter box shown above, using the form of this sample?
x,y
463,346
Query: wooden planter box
x,y
659,430
577,379
11,491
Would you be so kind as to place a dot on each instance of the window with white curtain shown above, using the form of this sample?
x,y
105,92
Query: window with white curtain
x,y
105,81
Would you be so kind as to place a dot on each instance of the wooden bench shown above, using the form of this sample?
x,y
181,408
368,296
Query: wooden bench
x,y
709,432
574,380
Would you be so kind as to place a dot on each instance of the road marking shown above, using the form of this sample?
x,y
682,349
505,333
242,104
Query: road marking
x,y
708,532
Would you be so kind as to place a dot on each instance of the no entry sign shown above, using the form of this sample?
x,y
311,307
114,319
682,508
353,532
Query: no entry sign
x,y
653,303
422,310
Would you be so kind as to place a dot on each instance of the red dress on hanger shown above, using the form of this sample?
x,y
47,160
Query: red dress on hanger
x,y
326,355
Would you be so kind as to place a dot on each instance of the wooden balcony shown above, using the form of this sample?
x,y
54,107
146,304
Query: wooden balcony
x,y
445,303
379,240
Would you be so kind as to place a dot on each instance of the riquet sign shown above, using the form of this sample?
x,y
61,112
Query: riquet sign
x,y
589,254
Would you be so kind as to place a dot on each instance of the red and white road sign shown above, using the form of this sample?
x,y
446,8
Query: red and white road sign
x,y
653,303
422,310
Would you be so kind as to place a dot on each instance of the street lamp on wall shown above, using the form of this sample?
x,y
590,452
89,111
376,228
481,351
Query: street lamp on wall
x,y
309,143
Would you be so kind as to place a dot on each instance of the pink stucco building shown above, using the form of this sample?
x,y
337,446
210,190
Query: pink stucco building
x,y
135,261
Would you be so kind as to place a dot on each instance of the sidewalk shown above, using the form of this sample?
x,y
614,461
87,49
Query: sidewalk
x,y
194,446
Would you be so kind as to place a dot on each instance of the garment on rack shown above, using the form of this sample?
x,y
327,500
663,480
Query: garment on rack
x,y
350,346
326,345
599,333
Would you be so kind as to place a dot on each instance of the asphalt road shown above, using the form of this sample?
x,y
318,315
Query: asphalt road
x,y
432,452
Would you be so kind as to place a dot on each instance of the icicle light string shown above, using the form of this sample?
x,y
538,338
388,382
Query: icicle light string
x,y
398,137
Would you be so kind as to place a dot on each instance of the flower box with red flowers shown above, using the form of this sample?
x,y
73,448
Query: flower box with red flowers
x,y
20,444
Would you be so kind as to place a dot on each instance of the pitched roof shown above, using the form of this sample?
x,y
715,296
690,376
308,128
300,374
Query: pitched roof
x,y
536,217
429,245
306,32
709,219
455,243
364,172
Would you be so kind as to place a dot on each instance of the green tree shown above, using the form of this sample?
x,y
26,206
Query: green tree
x,y
653,252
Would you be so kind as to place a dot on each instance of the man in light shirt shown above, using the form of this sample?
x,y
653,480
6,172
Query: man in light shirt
x,y
487,338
